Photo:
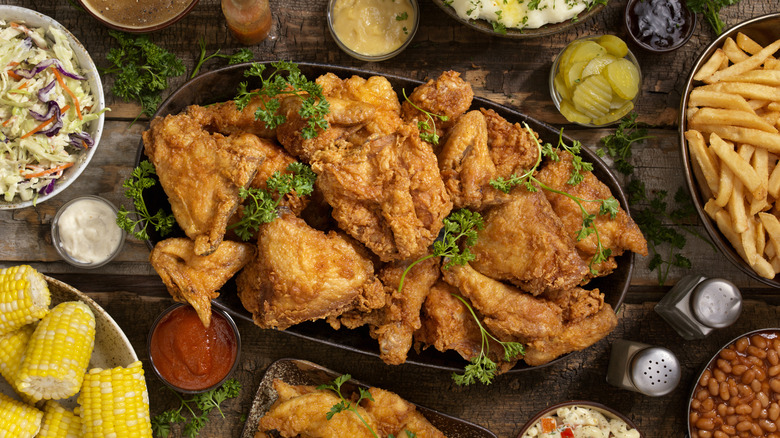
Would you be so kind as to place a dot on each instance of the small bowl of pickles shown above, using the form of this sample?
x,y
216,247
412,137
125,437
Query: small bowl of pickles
x,y
595,81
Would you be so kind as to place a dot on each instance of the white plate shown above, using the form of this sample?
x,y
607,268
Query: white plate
x,y
112,348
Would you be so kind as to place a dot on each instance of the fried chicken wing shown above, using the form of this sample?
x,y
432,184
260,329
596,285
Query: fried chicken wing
x,y
512,148
225,118
525,243
201,173
303,274
448,95
448,325
513,315
303,412
466,166
395,415
617,234
386,193
197,279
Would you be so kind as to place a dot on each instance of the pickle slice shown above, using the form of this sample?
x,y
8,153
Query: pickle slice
x,y
597,64
586,51
615,114
560,86
571,113
592,96
574,74
614,45
623,76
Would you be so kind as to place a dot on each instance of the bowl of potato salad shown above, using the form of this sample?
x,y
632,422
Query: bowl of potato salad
x,y
579,419
51,108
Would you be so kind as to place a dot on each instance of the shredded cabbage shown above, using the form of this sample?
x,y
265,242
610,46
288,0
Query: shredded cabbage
x,y
30,163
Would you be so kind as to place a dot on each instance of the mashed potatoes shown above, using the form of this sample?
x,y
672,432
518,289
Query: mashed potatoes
x,y
580,422
521,14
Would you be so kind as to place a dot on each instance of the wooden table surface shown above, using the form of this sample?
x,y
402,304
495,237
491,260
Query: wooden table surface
x,y
511,72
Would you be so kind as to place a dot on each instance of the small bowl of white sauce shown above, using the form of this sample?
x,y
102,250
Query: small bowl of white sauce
x,y
84,232
373,30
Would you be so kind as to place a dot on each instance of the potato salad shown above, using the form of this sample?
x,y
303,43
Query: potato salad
x,y
580,422
45,107
520,14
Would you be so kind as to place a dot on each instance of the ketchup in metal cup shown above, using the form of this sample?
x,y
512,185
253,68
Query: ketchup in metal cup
x,y
190,356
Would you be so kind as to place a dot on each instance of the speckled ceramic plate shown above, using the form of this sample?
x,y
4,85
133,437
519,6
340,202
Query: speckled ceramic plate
x,y
301,372
112,348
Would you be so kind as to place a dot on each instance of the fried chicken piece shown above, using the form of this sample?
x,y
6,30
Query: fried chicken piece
x,y
303,274
525,243
394,415
448,325
386,193
512,148
225,118
466,166
617,235
448,95
197,279
201,173
512,315
577,303
302,411
394,324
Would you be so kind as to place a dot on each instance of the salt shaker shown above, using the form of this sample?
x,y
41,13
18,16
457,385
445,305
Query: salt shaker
x,y
649,370
697,305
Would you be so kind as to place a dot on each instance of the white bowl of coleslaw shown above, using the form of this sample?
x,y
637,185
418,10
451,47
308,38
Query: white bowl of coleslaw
x,y
579,419
51,108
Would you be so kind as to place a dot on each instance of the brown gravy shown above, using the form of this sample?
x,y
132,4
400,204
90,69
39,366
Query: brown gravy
x,y
137,13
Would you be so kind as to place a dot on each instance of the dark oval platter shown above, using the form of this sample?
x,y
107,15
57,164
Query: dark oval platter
x,y
221,85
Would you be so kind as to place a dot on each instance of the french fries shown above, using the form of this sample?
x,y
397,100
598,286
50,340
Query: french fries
x,y
733,136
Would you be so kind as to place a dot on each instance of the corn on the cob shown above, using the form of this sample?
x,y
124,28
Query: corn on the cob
x,y
12,347
17,419
24,297
59,422
113,403
58,353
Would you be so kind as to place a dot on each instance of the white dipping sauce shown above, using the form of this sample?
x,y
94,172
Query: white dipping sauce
x,y
88,231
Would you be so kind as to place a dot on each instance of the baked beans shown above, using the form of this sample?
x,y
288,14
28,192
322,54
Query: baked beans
x,y
738,394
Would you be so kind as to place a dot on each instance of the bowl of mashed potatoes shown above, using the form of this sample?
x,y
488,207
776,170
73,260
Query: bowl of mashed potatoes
x,y
578,419
521,19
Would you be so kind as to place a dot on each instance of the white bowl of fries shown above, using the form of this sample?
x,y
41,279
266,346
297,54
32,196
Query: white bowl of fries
x,y
730,143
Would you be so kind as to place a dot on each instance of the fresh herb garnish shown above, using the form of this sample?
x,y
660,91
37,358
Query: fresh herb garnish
x,y
262,204
205,402
608,206
402,16
482,368
140,179
314,106
618,145
343,404
427,127
242,55
142,70
461,224
711,11
661,226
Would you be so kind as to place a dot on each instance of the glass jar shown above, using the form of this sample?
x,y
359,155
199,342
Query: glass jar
x,y
248,20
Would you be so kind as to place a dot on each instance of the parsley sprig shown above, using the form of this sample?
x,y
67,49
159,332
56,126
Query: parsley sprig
x,y
141,179
142,70
482,368
263,203
459,225
345,405
618,145
427,127
314,106
241,55
204,402
711,11
662,226
608,206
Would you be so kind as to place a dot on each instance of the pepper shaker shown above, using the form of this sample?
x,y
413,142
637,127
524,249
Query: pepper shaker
x,y
696,305
648,370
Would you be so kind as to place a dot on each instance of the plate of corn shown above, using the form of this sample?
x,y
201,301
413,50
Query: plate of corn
x,y
66,365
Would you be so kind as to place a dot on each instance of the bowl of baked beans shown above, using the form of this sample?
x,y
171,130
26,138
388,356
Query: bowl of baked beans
x,y
738,393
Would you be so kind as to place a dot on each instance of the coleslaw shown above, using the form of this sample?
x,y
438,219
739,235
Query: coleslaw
x,y
45,108
580,422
